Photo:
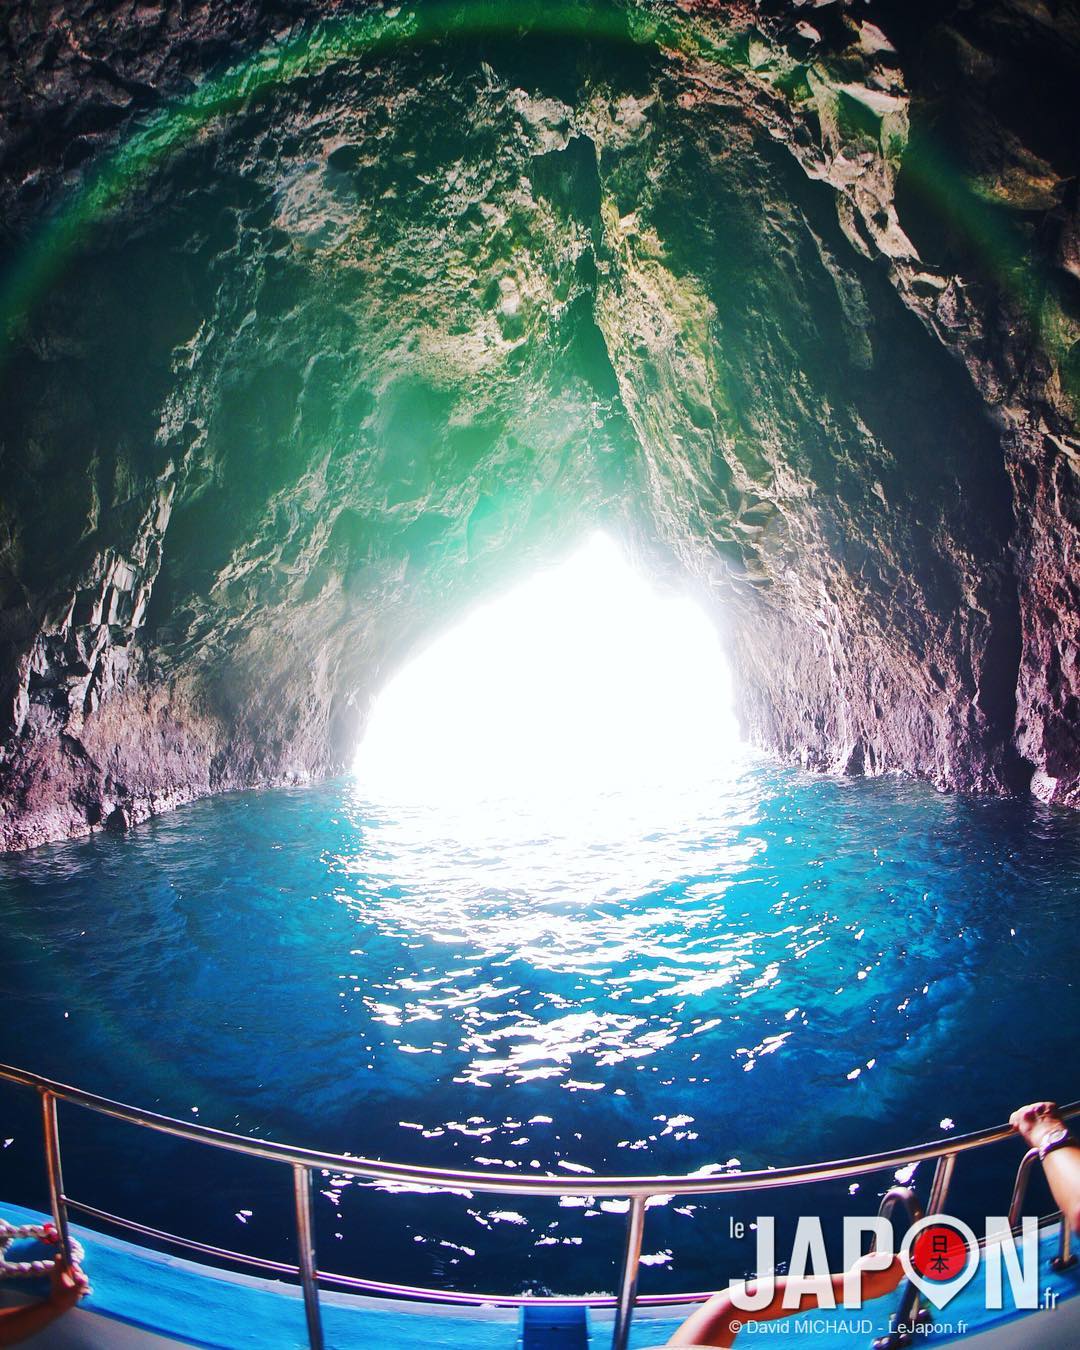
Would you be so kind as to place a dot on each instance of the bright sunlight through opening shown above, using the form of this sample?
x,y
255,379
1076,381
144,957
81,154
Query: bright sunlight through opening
x,y
585,679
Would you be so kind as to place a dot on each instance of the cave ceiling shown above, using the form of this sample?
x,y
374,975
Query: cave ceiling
x,y
321,320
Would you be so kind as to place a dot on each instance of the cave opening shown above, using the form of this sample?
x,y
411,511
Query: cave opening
x,y
585,678
322,324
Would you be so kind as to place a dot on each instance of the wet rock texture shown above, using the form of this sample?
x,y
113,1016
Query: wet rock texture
x,y
313,329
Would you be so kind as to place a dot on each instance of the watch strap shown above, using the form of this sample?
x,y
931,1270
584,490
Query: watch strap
x,y
1059,1139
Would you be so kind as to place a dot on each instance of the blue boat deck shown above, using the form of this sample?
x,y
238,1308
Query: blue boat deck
x,y
143,1298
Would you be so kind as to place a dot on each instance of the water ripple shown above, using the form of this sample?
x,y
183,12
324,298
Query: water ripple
x,y
761,970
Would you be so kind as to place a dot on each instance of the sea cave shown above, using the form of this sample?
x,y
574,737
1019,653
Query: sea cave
x,y
539,638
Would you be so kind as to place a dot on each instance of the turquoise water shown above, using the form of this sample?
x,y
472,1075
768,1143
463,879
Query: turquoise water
x,y
771,969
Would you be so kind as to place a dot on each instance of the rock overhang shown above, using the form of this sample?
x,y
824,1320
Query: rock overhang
x,y
371,324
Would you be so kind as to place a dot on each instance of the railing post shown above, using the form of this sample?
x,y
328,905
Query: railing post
x,y
305,1238
1023,1176
57,1199
1064,1258
911,1307
624,1309
939,1187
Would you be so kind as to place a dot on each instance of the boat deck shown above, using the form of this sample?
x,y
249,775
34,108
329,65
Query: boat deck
x,y
146,1299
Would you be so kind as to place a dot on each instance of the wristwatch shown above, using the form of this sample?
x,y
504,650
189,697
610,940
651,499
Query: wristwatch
x,y
1059,1139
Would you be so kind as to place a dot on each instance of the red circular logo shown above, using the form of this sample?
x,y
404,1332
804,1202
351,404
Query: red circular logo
x,y
939,1253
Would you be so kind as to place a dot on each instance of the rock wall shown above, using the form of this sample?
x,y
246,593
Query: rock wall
x,y
318,318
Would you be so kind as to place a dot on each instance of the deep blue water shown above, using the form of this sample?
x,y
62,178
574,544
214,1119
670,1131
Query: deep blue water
x,y
775,969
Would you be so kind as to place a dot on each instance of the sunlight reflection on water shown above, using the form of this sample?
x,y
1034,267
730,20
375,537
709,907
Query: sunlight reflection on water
x,y
580,888
764,969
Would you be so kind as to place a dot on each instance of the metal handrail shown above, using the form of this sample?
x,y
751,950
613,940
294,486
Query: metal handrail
x,y
508,1183
637,1189
1064,1258
263,1263
900,1195
908,1307
382,1287
1023,1176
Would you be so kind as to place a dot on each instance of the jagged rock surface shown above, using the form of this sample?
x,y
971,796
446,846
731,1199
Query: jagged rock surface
x,y
785,293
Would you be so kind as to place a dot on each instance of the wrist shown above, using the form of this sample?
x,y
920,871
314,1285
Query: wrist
x,y
1042,1129
1052,1142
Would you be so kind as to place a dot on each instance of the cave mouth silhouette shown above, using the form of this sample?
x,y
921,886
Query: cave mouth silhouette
x,y
585,678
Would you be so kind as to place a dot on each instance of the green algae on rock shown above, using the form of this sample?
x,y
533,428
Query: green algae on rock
x,y
316,323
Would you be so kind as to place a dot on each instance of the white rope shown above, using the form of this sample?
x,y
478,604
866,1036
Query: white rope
x,y
10,1232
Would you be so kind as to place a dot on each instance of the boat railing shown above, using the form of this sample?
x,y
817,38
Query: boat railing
x,y
1064,1258
636,1190
904,1197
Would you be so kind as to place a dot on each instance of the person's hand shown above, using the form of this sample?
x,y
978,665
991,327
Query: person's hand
x,y
1036,1122
68,1286
877,1282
